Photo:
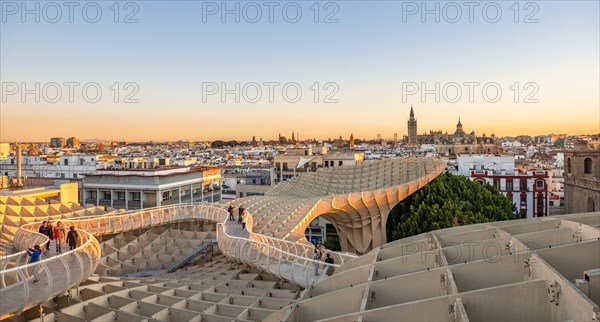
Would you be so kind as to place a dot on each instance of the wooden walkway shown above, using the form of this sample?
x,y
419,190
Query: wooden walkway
x,y
55,280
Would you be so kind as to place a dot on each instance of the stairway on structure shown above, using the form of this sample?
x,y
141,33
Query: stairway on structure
x,y
207,246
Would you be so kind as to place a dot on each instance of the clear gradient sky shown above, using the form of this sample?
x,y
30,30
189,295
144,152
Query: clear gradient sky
x,y
369,53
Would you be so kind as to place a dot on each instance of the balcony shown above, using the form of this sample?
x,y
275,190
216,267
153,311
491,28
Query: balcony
x,y
105,203
131,204
149,204
119,203
90,201
172,201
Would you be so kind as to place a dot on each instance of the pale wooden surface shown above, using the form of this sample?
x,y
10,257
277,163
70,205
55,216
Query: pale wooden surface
x,y
13,296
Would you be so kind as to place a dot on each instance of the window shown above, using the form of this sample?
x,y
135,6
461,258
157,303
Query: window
x,y
66,161
539,184
569,165
248,194
135,196
523,184
81,160
341,163
509,185
93,195
107,196
587,166
497,184
121,195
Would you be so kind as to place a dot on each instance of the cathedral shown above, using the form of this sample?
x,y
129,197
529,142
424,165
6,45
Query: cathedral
x,y
451,145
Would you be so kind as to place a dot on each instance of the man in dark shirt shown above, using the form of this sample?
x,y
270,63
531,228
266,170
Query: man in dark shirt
x,y
49,233
230,211
240,213
72,238
330,269
44,231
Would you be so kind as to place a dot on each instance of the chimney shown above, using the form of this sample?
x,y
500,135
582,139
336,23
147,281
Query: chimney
x,y
19,167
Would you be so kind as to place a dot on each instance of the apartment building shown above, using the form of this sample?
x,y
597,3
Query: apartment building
x,y
294,161
51,166
528,189
142,188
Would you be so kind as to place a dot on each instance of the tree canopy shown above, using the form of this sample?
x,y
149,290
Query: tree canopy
x,y
445,202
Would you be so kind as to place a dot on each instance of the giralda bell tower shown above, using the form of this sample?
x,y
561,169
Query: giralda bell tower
x,y
412,128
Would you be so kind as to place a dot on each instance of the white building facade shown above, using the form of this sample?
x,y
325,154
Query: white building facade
x,y
143,188
528,190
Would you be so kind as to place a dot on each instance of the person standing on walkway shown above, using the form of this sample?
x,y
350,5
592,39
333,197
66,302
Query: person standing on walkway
x,y
42,231
244,220
35,254
72,238
319,250
240,213
49,233
230,211
315,259
329,260
58,236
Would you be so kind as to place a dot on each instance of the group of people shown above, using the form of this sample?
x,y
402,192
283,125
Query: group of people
x,y
57,234
242,215
318,256
318,250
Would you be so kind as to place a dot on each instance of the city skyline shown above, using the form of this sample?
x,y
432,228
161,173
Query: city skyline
x,y
345,136
259,132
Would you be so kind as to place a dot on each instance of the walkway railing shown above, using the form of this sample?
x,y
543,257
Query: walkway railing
x,y
288,260
57,274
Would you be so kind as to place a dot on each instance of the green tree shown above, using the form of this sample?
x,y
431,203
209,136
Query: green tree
x,y
332,243
445,202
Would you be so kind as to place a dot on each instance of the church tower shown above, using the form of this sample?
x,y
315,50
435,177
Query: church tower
x,y
460,133
351,141
412,128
